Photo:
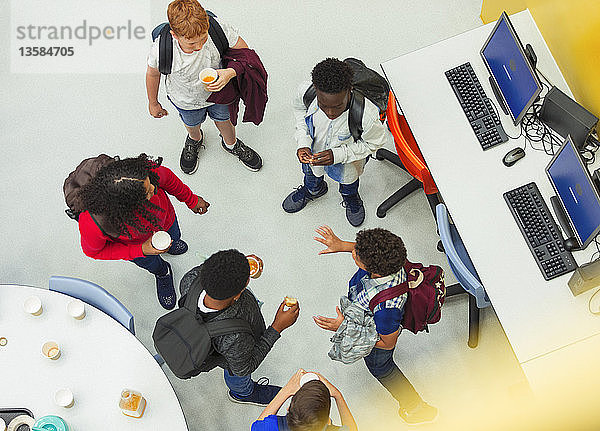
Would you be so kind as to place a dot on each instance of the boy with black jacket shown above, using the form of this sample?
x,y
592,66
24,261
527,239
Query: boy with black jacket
x,y
224,277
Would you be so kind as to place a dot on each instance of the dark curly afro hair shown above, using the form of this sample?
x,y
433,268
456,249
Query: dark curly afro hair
x,y
332,76
380,251
118,195
225,274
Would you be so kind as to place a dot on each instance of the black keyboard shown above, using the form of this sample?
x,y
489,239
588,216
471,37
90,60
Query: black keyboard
x,y
477,106
540,231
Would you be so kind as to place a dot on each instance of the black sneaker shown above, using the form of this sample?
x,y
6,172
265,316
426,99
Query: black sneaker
x,y
262,395
421,414
178,247
298,199
355,210
245,154
165,289
188,162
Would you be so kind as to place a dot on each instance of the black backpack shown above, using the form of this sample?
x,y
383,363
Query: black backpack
x,y
85,171
165,48
184,340
282,425
365,83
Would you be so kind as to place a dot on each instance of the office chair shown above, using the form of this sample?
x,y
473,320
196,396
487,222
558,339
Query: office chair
x,y
463,270
409,159
98,297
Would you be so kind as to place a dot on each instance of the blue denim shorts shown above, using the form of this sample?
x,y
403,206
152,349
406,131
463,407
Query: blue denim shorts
x,y
193,117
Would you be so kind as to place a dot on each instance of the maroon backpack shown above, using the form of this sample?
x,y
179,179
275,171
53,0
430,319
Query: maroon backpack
x,y
426,294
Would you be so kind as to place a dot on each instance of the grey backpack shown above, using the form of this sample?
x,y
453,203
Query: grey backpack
x,y
184,339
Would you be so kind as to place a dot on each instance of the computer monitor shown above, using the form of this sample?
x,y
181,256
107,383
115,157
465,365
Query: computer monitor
x,y
575,188
510,69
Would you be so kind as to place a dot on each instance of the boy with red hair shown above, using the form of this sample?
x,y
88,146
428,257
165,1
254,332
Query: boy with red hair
x,y
193,50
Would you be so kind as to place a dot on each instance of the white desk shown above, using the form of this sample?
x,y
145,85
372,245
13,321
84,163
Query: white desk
x,y
538,317
99,358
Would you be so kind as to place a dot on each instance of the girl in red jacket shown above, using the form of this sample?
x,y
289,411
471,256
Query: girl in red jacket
x,y
125,203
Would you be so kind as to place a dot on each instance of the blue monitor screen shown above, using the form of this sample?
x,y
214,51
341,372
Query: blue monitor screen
x,y
575,188
506,61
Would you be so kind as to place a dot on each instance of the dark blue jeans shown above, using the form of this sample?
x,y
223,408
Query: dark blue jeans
x,y
241,386
382,366
314,184
155,264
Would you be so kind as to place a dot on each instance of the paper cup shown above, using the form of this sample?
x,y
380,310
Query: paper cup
x,y
2,425
308,377
76,309
51,350
33,306
3,342
64,398
161,240
208,75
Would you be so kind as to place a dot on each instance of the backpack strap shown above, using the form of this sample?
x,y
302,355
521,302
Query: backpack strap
x,y
309,95
165,50
217,328
216,33
355,114
389,293
282,424
193,295
165,45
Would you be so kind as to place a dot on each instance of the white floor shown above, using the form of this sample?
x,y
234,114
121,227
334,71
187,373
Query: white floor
x,y
51,122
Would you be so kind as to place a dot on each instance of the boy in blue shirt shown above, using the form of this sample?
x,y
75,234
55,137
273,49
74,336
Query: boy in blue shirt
x,y
380,256
309,408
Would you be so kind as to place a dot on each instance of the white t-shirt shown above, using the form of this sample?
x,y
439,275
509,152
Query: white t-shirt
x,y
183,84
201,305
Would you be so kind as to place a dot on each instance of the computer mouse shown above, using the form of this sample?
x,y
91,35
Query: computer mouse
x,y
570,244
513,156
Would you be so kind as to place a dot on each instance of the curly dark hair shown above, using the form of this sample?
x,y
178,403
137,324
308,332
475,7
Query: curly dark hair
x,y
118,196
381,251
332,76
309,408
224,274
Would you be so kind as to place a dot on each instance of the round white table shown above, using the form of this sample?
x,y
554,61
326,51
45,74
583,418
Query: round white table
x,y
99,358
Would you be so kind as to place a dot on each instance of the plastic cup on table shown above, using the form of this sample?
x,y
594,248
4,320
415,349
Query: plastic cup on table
x,y
64,398
76,309
33,306
51,350
161,240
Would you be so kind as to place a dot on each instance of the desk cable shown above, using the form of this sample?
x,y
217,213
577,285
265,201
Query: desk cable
x,y
593,258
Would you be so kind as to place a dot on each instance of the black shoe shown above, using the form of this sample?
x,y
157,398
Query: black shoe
x,y
262,395
189,156
178,247
165,289
355,210
421,414
298,199
245,154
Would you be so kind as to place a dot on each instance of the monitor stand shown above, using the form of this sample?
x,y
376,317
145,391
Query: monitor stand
x,y
571,242
496,91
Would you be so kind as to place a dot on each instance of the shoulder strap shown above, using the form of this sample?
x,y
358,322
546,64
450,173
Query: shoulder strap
x,y
282,424
389,293
355,114
217,328
193,295
165,45
309,95
165,50
216,33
